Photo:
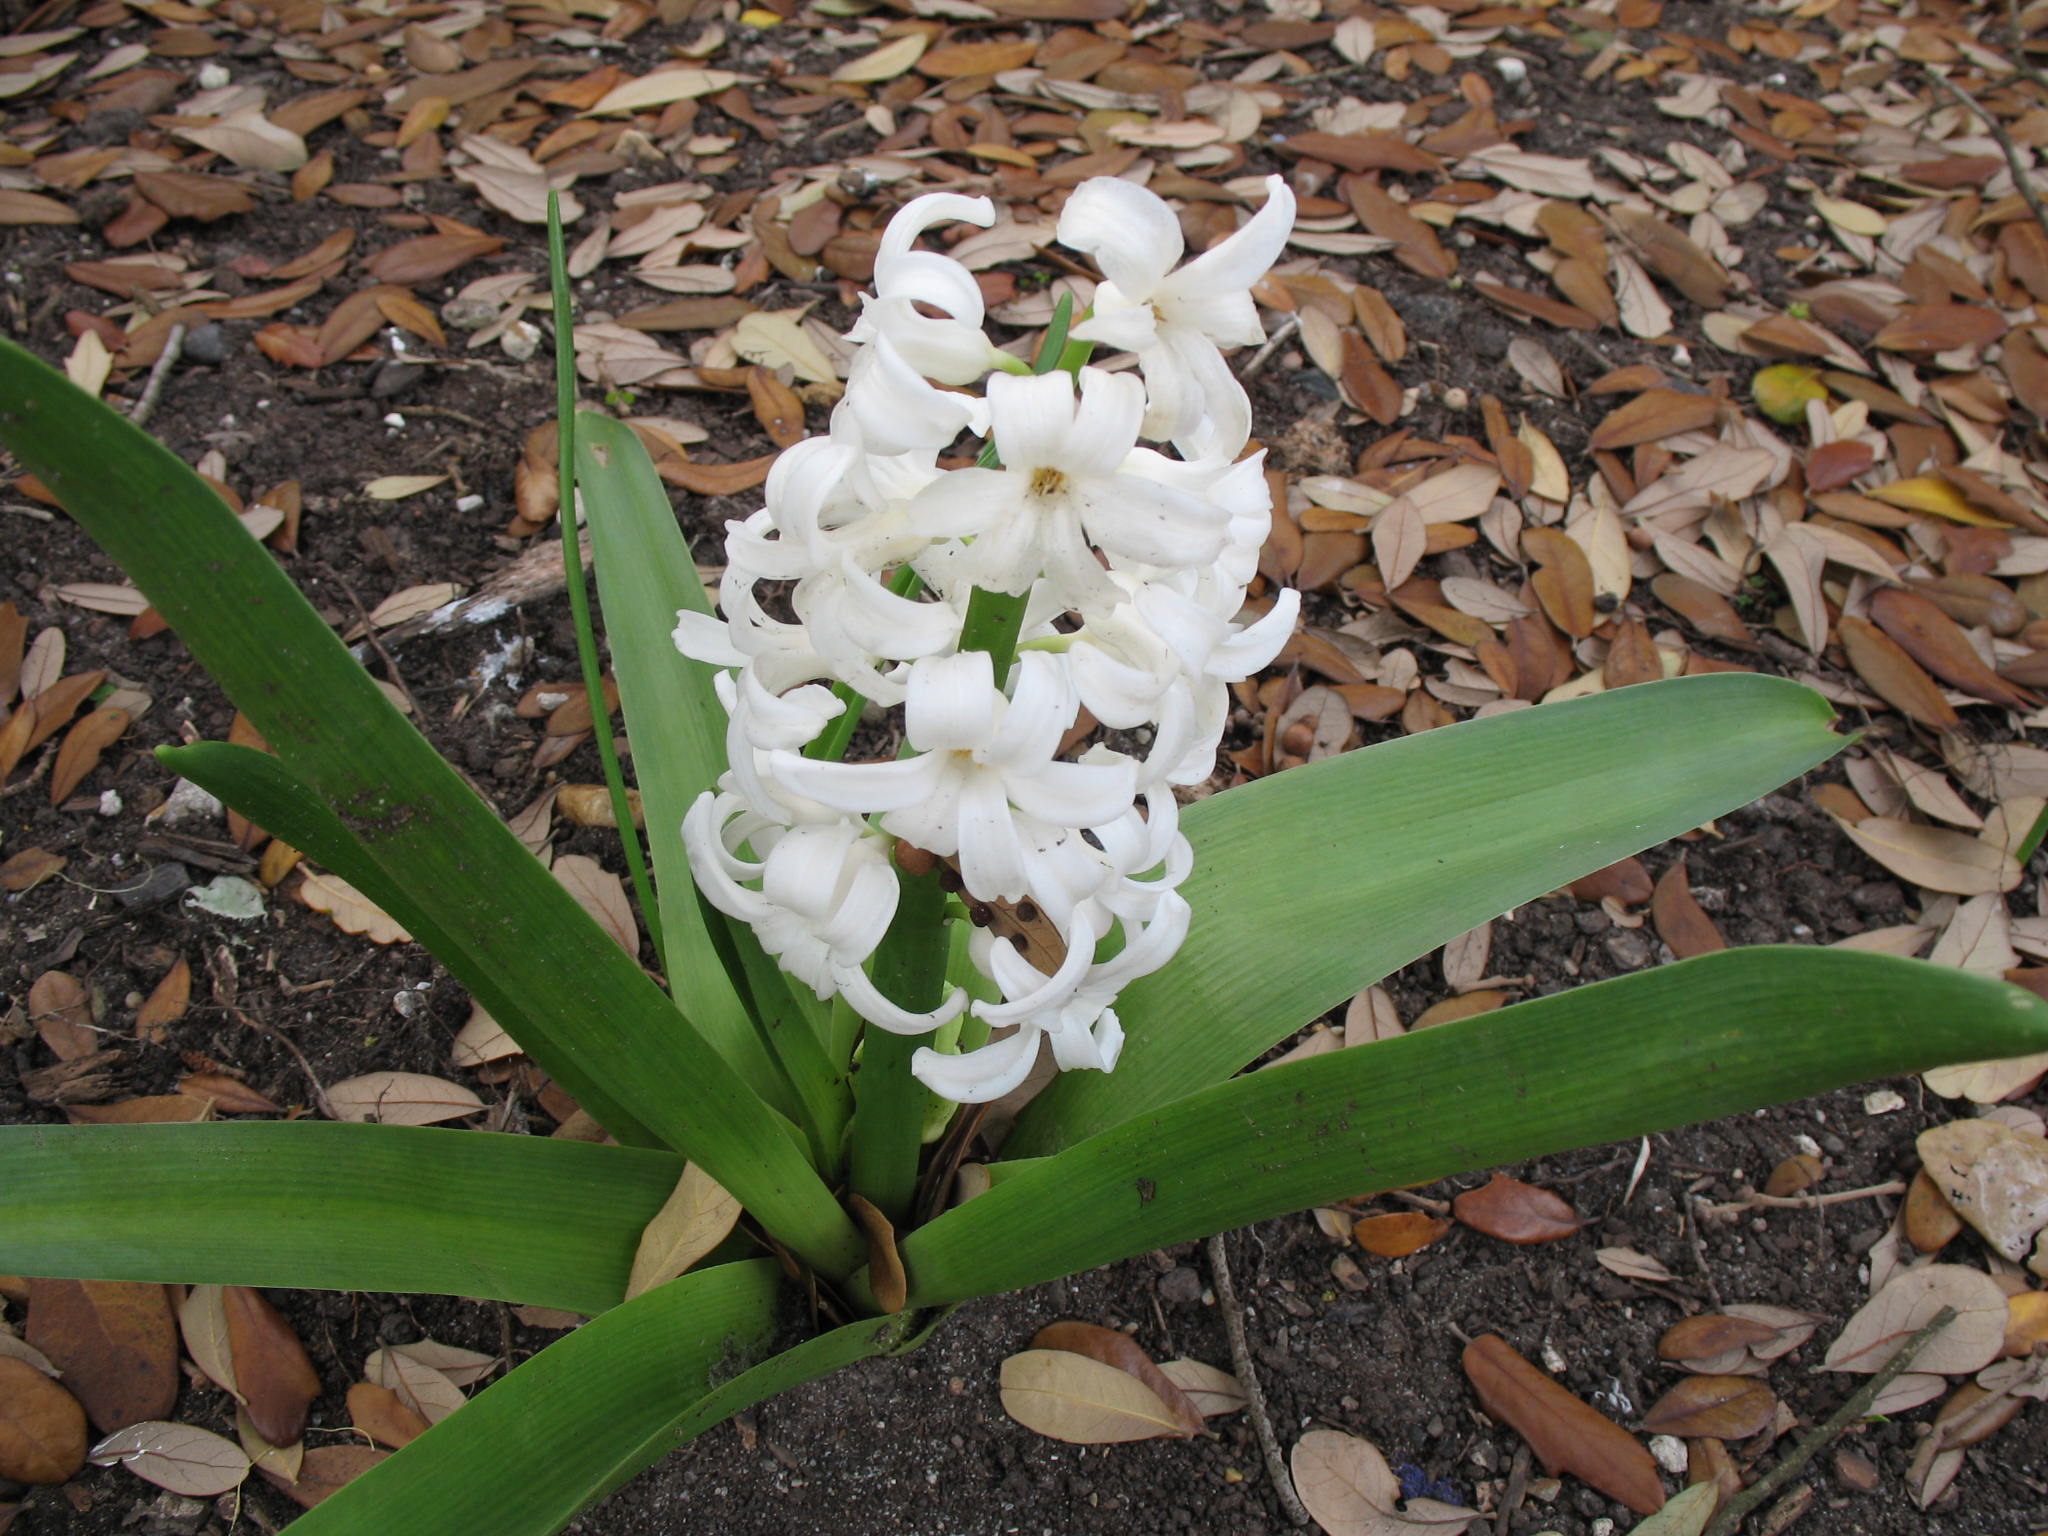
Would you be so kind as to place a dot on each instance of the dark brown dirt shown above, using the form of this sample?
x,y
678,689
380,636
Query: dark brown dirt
x,y
920,1446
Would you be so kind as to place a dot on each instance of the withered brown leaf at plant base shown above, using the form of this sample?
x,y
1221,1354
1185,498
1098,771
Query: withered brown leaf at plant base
x,y
1397,1234
402,1098
61,1012
42,1426
1934,640
115,1341
1681,921
1831,466
1631,656
1893,675
1723,1407
693,1220
1516,1212
277,1382
1940,328
1566,1434
1122,1352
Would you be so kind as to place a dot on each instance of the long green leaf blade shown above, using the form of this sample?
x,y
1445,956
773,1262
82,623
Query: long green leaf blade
x,y
323,1206
593,1409
605,1025
645,576
1310,885
1683,1043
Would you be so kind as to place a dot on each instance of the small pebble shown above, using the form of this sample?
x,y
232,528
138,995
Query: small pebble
x,y
393,378
1181,1284
213,76
1670,1453
153,887
206,344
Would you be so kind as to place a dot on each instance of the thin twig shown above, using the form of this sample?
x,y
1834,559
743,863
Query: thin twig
x,y
319,1093
1997,130
1805,1202
1248,1378
1815,1440
2020,60
174,348
1281,332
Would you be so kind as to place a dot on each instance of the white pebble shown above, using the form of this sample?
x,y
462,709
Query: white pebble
x,y
110,802
1670,1453
213,76
1512,70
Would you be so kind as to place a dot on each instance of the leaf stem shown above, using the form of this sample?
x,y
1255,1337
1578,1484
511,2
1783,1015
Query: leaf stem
x,y
579,594
889,1104
993,619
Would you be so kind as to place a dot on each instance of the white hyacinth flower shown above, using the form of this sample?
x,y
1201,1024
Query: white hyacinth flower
x,y
1131,565
1176,319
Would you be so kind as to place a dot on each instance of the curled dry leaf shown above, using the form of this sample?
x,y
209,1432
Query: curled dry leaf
x,y
886,1277
603,895
1907,1303
1349,1490
1070,1397
352,911
187,1460
402,1098
115,1341
691,1222
1121,1351
1723,1407
1516,1212
1992,1176
1566,1434
1799,1172
1632,1264
42,1426
1686,1514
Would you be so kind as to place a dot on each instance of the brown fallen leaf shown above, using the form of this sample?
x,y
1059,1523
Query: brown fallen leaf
x,y
1938,643
691,1222
62,1014
1565,1433
1681,921
276,1381
29,868
1929,1221
1674,256
1833,465
1516,1212
1563,580
1935,857
1724,1407
1121,1351
1626,882
1795,1174
42,1426
1993,1177
1711,1333
1349,1490
181,1457
1070,1397
1653,414
1893,675
1940,328
326,1469
115,1341
1909,1301
379,1413
1706,610
1398,1233
1632,657
167,1000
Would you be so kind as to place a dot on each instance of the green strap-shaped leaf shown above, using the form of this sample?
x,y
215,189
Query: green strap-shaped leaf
x,y
596,1407
1311,884
603,1027
324,1206
645,576
1686,1042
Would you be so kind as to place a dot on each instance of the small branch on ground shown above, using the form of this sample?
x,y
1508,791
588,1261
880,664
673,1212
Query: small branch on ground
x,y
1257,360
2020,176
1805,1202
319,1091
174,348
1817,1439
1248,1378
